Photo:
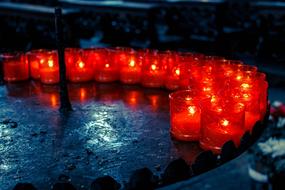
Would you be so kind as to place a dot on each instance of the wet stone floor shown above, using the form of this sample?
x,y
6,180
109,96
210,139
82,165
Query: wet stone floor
x,y
113,130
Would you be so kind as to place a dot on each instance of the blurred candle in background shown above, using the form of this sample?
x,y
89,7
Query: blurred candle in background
x,y
15,67
173,71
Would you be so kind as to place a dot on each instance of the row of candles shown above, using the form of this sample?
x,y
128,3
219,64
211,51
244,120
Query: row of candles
x,y
215,99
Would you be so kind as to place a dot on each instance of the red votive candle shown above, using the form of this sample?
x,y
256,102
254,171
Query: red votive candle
x,y
185,115
173,72
49,68
221,123
35,59
79,68
130,68
154,70
106,69
15,67
250,98
190,69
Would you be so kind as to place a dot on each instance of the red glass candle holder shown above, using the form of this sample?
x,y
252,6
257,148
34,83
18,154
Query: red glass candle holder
x,y
49,68
190,69
131,68
173,72
185,115
79,69
35,58
251,99
15,67
154,70
221,123
106,70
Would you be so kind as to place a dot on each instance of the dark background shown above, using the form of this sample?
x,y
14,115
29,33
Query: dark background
x,y
252,31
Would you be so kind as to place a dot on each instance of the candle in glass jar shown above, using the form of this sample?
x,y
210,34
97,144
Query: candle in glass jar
x,y
15,67
106,69
221,123
154,71
35,59
250,99
49,69
80,69
130,72
172,82
185,115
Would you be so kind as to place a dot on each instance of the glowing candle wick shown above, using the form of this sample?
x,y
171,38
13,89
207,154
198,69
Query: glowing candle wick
x,y
81,64
225,122
245,85
188,98
50,63
192,110
132,63
239,77
177,72
153,67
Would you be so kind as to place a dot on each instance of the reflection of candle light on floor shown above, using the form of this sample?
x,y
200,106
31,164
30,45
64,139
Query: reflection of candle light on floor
x,y
154,101
82,94
132,99
53,100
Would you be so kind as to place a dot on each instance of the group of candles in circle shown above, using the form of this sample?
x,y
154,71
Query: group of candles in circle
x,y
214,100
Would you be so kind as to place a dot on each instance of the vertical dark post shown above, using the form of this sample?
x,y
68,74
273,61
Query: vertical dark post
x,y
65,104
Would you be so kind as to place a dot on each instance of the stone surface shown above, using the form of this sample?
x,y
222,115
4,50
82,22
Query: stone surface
x,y
113,130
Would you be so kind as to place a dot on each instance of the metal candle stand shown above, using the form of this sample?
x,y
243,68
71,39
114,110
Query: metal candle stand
x,y
65,104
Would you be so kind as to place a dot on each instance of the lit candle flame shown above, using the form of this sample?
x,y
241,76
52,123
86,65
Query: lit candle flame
x,y
213,99
245,85
246,96
239,77
207,89
225,122
42,61
50,63
188,98
177,72
107,65
81,64
153,67
132,63
192,110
